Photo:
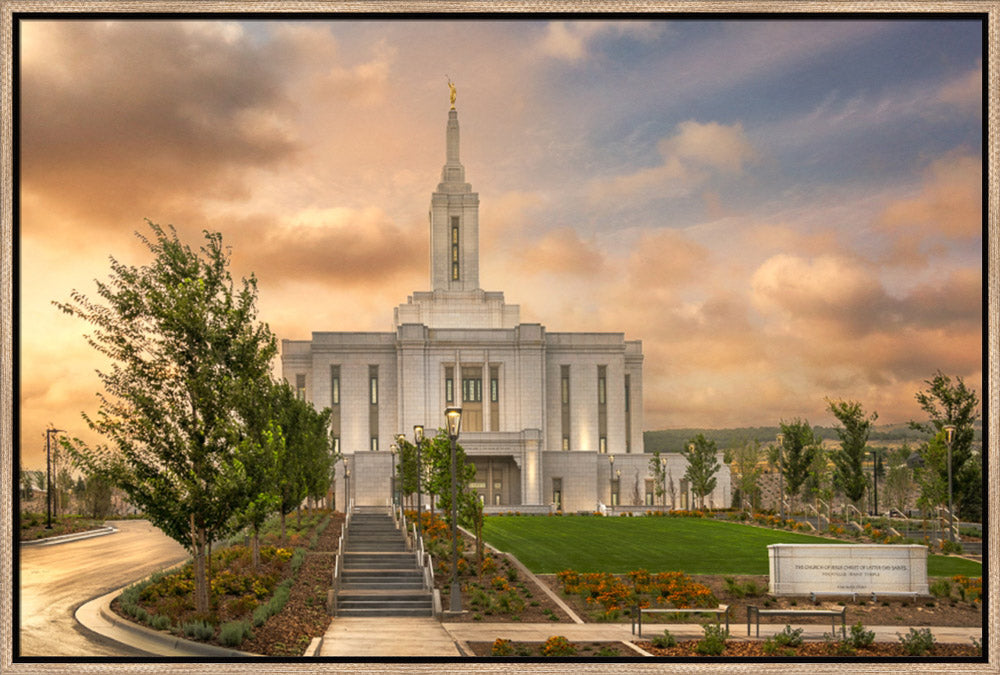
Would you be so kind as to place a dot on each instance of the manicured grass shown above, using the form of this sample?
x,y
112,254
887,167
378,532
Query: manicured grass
x,y
694,545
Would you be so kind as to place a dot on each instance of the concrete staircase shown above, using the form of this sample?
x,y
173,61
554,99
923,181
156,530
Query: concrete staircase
x,y
379,577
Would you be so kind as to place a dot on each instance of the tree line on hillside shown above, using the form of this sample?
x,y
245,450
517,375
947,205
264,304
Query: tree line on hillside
x,y
200,437
854,470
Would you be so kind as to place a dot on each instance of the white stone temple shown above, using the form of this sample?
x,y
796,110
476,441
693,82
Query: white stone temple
x,y
543,412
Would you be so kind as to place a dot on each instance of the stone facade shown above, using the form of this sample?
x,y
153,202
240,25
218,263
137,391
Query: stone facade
x,y
542,411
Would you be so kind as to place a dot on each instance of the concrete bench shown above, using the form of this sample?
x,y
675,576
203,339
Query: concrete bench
x,y
720,611
753,610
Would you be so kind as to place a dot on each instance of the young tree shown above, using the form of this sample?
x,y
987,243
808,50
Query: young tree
x,y
406,469
657,467
746,469
671,488
798,451
95,499
305,458
703,464
848,462
256,474
949,402
932,478
438,454
186,357
899,486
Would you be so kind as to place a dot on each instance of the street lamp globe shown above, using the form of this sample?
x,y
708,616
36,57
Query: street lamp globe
x,y
418,432
454,416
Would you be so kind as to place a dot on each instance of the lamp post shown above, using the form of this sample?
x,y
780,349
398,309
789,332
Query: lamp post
x,y
781,479
347,488
663,480
48,475
454,416
418,436
875,479
611,480
392,478
618,487
949,433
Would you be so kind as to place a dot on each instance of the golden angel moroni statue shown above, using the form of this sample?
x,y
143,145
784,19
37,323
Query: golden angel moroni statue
x,y
452,92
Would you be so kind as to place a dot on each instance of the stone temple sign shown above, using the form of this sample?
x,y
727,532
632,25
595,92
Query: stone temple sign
x,y
804,569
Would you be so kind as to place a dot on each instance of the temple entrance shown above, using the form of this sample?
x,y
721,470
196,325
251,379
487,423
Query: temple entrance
x,y
497,481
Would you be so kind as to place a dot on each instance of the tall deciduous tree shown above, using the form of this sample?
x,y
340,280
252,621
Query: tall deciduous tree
x,y
951,402
186,356
746,469
848,462
703,464
305,460
799,446
658,468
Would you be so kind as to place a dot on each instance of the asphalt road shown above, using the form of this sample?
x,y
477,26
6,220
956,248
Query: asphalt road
x,y
56,580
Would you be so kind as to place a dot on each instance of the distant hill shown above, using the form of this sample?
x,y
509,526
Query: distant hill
x,y
674,440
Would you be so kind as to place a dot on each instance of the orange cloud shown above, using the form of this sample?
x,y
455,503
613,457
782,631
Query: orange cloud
x,y
947,208
689,159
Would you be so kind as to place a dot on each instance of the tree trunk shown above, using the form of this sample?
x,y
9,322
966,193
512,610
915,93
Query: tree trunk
x,y
255,547
200,576
284,538
298,516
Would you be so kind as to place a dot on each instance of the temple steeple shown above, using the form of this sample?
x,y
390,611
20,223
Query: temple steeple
x,y
455,299
454,222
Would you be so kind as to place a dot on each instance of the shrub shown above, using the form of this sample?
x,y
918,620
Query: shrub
x,y
160,622
502,647
664,641
859,637
839,647
714,641
198,630
941,589
978,645
557,645
233,634
789,637
917,642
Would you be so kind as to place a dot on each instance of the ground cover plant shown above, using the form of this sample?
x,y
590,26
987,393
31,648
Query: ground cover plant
x,y
547,545
33,525
245,599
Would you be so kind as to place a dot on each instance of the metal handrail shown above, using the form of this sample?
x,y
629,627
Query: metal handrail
x,y
819,515
429,572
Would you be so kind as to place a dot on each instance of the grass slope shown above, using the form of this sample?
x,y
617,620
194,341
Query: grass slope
x,y
693,545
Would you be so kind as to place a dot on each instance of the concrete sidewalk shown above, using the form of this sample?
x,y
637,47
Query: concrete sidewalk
x,y
622,632
385,636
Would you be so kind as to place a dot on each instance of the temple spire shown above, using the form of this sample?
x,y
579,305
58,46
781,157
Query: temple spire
x,y
454,220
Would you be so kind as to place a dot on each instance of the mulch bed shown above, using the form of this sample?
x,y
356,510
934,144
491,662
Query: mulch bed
x,y
885,612
746,648
734,649
538,606
304,616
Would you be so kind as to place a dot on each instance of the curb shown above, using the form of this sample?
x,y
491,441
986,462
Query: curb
x,y
66,538
96,615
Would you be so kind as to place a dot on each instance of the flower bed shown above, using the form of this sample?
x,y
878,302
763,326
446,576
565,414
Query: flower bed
x,y
616,594
241,597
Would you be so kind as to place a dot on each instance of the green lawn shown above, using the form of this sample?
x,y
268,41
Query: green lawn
x,y
693,545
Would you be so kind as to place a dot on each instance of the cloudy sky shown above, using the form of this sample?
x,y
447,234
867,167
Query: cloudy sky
x,y
781,211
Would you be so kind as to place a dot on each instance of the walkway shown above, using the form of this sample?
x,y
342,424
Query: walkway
x,y
387,636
